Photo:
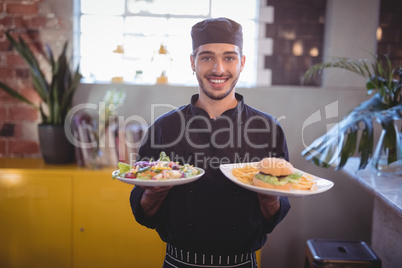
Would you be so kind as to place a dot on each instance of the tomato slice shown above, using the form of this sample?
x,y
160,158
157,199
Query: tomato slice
x,y
130,175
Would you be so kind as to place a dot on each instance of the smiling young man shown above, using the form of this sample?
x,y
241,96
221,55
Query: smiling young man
x,y
212,222
217,67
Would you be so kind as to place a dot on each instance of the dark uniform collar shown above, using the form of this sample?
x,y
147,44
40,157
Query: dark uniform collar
x,y
194,110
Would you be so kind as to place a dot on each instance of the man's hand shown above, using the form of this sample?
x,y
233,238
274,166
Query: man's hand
x,y
152,198
269,205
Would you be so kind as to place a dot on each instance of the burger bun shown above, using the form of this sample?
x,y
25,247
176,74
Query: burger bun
x,y
275,166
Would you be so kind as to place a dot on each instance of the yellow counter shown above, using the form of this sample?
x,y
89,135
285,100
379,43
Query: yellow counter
x,y
68,216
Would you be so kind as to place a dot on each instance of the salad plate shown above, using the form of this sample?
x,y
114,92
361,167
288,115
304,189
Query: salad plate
x,y
156,183
161,172
322,185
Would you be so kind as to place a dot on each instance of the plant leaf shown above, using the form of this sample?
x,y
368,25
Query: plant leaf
x,y
16,95
367,112
39,81
349,147
366,143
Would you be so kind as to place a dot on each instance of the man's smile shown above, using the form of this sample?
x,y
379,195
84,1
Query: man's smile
x,y
217,80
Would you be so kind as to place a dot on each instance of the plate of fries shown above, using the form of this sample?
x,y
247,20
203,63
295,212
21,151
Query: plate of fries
x,y
243,173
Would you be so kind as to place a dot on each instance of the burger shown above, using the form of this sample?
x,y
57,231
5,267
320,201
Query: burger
x,y
276,173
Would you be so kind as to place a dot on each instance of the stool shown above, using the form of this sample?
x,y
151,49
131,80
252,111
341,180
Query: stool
x,y
322,253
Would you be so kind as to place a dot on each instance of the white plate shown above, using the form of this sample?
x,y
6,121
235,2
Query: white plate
x,y
322,184
169,182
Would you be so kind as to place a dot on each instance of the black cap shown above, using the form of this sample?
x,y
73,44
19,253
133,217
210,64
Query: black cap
x,y
219,30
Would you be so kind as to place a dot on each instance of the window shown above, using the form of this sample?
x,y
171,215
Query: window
x,y
122,38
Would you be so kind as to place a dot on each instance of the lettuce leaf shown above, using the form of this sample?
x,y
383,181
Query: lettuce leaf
x,y
292,178
123,168
164,157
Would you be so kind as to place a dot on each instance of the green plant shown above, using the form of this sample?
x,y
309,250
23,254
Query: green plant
x,y
56,95
385,106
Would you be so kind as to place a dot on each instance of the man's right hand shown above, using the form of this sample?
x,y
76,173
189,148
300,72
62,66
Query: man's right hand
x,y
152,198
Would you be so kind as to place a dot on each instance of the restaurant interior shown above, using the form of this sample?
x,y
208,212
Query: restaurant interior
x,y
76,215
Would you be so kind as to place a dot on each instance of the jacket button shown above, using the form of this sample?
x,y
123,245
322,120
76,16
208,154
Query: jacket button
x,y
234,227
189,224
190,191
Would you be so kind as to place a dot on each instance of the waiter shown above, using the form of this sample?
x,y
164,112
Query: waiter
x,y
212,222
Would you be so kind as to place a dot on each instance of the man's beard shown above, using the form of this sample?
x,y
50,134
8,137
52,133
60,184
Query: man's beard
x,y
210,94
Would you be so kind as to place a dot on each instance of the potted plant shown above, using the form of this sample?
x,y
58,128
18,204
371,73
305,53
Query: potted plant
x,y
56,99
354,134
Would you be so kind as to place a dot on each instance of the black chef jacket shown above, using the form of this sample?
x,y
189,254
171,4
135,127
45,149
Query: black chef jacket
x,y
212,214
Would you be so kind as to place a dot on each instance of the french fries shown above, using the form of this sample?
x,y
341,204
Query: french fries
x,y
245,174
306,182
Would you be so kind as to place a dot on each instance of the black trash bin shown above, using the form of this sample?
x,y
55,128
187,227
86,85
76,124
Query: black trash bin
x,y
323,253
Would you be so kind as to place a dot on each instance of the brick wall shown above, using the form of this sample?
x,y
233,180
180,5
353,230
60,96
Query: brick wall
x,y
390,39
30,19
297,31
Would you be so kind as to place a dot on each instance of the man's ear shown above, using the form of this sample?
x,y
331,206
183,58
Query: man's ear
x,y
192,60
243,61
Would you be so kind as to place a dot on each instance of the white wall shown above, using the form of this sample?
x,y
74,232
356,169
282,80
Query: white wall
x,y
350,31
